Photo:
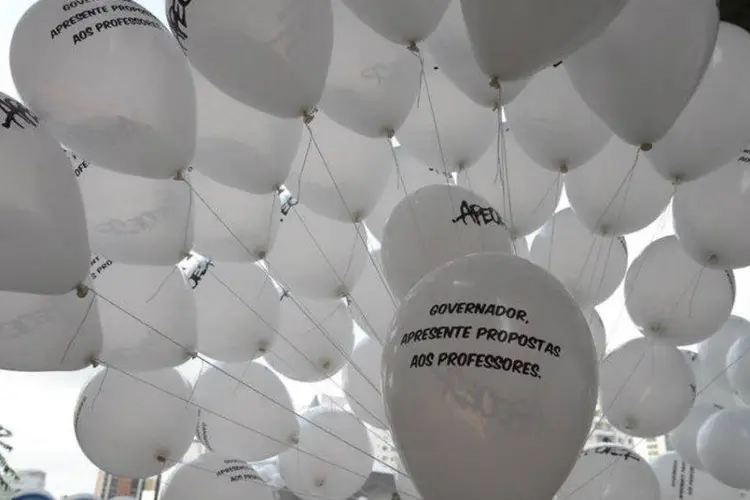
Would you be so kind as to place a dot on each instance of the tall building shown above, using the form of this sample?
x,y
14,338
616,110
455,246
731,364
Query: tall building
x,y
109,486
386,455
652,448
29,479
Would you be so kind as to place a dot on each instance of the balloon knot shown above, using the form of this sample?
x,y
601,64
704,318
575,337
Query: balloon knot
x,y
193,355
309,115
81,290
179,176
677,179
495,83
319,482
389,133
325,364
161,458
563,169
646,146
294,439
413,47
712,259
263,346
95,363
605,229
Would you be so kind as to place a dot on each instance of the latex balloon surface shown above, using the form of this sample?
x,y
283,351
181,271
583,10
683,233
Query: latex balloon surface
x,y
684,437
371,303
681,481
401,21
724,444
713,351
361,383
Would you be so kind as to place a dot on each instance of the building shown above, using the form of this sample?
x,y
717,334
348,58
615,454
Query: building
x,y
603,432
387,460
109,486
29,479
652,448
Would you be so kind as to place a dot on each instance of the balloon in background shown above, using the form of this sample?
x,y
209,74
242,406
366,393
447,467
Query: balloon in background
x,y
128,445
317,257
617,192
713,351
672,299
343,180
591,267
708,392
684,437
435,225
316,340
44,244
246,411
141,125
509,377
404,22
646,389
516,40
212,476
531,194
371,303
132,219
450,47
271,56
372,83
521,248
598,333
637,76
553,125
147,313
240,146
681,481
610,472
48,333
238,312
233,225
458,133
724,446
711,129
738,368
712,219
361,383
333,458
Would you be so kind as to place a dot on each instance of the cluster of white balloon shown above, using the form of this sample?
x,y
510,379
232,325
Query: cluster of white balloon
x,y
188,142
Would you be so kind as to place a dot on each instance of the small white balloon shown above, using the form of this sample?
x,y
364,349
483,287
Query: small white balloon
x,y
371,303
738,368
681,481
684,437
713,351
361,383
404,22
724,447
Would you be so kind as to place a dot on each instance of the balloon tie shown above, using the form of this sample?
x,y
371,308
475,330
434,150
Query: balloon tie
x,y
80,325
82,290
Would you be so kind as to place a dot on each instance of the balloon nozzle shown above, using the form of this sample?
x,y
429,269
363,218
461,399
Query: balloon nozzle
x,y
564,168
646,146
179,175
263,346
413,47
389,133
320,482
712,259
294,439
326,364
81,290
495,83
677,179
308,115
161,459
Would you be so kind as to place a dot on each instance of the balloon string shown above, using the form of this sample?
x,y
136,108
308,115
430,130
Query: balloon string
x,y
78,330
188,224
161,285
625,183
552,233
552,188
302,168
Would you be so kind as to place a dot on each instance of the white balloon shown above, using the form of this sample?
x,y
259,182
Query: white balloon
x,y
711,129
617,192
531,195
212,476
674,300
44,243
435,225
684,437
372,83
553,125
738,367
681,481
712,219
521,248
724,446
147,313
361,383
646,389
713,351
240,146
406,489
638,76
333,458
143,124
607,472
273,56
317,257
246,411
132,219
500,373
598,333
233,225
450,47
708,392
590,266
404,22
316,340
514,40
371,303
459,132
135,425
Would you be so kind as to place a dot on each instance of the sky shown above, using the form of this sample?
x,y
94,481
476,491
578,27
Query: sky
x,y
38,407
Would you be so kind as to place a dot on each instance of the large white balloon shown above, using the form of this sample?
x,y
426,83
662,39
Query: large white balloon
x,y
361,383
212,476
711,129
617,192
590,266
638,76
136,445
240,146
724,446
404,22
44,243
712,219
333,458
371,303
738,367
316,339
681,481
494,372
646,389
674,300
513,40
246,411
435,225
148,315
273,56
553,125
684,437
69,65
132,219
713,351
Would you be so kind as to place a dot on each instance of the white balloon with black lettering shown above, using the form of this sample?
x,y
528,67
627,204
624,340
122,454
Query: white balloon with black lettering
x,y
315,339
724,446
141,447
435,225
245,411
713,351
361,383
590,266
674,300
502,359
213,476
44,245
148,315
681,481
404,22
371,303
646,389
738,368
684,437
140,125
333,458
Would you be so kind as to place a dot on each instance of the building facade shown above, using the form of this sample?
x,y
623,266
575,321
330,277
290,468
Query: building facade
x,y
652,448
109,486
29,479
